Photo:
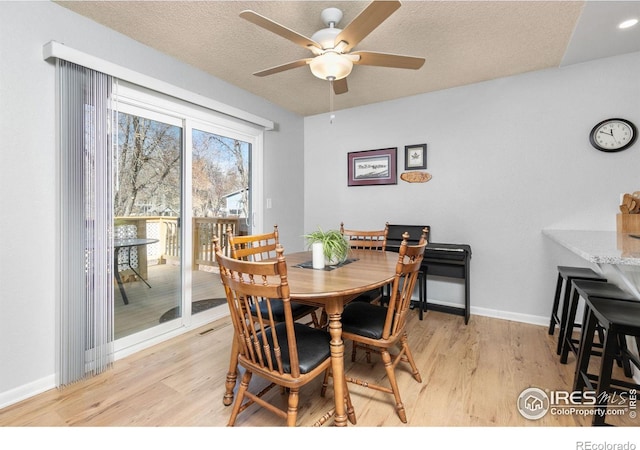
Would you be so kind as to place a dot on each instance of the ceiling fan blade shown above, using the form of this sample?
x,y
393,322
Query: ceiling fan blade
x,y
340,86
280,30
283,67
388,60
367,21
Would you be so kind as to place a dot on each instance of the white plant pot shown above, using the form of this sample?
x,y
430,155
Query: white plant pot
x,y
317,253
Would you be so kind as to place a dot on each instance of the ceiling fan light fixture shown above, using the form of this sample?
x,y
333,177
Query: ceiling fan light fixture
x,y
326,37
331,65
333,60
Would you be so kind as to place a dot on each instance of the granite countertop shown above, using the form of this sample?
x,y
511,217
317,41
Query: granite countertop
x,y
599,247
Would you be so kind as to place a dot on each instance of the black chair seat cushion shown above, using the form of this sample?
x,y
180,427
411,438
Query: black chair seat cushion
x,y
364,319
313,346
277,308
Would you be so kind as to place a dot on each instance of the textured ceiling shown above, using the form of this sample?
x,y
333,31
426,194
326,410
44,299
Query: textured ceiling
x,y
462,42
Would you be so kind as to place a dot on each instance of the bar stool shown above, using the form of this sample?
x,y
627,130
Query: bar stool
x,y
583,289
619,318
566,275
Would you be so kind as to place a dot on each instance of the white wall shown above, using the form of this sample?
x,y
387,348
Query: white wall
x,y
28,172
508,158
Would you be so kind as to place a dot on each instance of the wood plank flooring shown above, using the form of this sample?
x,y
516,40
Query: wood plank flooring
x,y
472,376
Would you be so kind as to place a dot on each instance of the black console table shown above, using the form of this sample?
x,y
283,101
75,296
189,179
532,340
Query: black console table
x,y
443,260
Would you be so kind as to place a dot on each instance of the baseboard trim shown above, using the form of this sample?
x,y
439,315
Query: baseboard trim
x,y
496,314
26,391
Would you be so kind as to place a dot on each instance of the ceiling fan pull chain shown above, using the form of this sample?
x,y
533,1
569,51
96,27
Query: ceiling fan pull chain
x,y
331,114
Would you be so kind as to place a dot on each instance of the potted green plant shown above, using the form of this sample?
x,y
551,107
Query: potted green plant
x,y
335,247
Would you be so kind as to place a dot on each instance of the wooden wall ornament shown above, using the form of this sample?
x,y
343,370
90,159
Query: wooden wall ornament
x,y
415,177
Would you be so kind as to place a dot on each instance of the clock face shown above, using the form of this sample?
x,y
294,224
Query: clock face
x,y
613,135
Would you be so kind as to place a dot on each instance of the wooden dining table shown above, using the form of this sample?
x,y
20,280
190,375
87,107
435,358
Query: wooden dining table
x,y
330,288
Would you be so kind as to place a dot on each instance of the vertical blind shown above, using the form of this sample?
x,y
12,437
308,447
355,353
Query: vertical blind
x,y
85,304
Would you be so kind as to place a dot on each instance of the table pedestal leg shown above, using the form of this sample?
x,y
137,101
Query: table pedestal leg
x,y
140,277
337,367
116,273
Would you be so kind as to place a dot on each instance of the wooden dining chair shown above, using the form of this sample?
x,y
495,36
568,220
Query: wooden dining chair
x,y
261,247
285,353
375,240
253,247
379,328
365,239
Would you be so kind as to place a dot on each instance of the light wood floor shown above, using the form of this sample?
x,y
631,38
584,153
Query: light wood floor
x,y
472,376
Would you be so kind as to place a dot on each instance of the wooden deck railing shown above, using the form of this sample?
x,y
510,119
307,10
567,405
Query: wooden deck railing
x,y
204,230
166,230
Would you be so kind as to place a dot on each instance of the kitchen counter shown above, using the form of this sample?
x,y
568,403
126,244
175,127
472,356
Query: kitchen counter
x,y
599,247
617,255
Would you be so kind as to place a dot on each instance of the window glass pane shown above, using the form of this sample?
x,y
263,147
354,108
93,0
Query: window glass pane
x,y
220,199
220,176
147,205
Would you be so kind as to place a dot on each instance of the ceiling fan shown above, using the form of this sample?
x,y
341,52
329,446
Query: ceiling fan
x,y
332,46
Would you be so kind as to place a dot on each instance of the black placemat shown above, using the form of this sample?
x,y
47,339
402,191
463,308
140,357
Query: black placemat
x,y
309,264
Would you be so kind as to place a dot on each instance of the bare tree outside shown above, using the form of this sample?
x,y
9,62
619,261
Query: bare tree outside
x,y
220,175
149,170
148,167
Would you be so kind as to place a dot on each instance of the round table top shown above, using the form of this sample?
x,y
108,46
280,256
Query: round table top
x,y
369,270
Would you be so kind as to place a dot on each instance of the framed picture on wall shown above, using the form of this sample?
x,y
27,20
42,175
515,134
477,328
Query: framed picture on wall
x,y
371,167
415,156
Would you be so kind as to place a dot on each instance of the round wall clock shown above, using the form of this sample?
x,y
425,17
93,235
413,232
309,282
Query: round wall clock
x,y
613,135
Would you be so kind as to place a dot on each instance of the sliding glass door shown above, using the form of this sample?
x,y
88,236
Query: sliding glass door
x,y
147,219
184,175
221,202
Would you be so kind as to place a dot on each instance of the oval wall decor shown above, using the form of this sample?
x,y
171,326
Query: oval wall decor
x,y
415,177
